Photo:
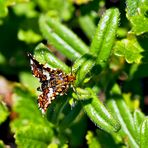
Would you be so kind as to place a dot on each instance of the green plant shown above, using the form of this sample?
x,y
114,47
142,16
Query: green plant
x,y
117,53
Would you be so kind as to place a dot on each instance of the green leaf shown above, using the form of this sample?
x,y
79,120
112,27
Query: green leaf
x,y
29,36
57,8
89,30
2,144
45,56
138,120
62,38
26,107
130,49
139,70
66,34
25,9
33,135
110,140
53,145
28,80
2,59
121,111
132,103
144,134
122,32
12,2
3,112
100,139
137,14
82,67
57,106
93,107
3,9
92,141
79,123
98,113
5,3
105,36
73,113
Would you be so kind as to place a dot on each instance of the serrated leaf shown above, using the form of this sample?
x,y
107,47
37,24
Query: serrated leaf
x,y
130,49
33,135
3,112
26,108
137,14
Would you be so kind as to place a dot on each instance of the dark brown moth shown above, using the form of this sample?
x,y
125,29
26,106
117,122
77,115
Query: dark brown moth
x,y
53,82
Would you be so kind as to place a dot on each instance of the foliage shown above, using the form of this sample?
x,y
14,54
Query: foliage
x,y
4,112
107,44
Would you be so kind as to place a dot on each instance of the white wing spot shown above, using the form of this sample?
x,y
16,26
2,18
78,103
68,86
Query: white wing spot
x,y
46,65
50,92
31,62
46,73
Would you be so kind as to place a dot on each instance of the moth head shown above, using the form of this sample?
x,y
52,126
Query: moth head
x,y
71,78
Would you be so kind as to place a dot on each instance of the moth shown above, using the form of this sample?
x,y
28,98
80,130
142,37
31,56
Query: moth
x,y
54,82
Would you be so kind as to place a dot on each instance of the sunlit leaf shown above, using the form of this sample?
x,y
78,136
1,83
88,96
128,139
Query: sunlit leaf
x,y
29,36
2,144
3,8
3,112
129,49
121,111
137,13
144,134
25,9
92,141
57,8
26,108
33,135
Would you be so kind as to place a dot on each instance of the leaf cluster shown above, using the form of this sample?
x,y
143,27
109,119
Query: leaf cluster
x,y
109,50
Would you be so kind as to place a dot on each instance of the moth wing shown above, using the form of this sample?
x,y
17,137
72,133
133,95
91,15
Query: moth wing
x,y
39,70
45,98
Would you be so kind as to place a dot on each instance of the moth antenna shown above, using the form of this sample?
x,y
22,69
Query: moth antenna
x,y
29,55
71,70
